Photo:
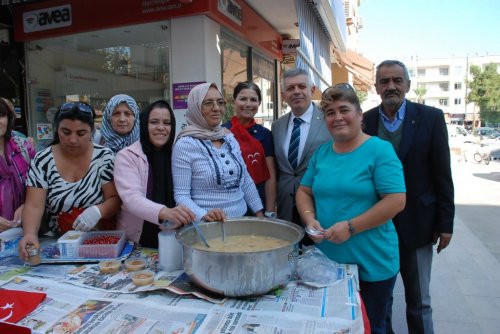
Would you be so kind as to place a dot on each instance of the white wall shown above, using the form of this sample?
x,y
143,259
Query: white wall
x,y
195,54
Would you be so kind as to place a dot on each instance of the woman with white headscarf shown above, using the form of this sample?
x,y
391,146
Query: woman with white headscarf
x,y
210,176
120,123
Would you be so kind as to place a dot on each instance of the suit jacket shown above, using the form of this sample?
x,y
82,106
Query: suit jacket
x,y
289,178
425,155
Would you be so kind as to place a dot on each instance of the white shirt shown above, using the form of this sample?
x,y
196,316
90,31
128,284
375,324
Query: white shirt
x,y
304,130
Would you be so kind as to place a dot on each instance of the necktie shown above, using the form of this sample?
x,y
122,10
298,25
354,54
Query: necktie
x,y
293,149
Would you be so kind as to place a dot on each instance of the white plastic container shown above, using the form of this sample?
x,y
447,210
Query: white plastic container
x,y
170,251
69,244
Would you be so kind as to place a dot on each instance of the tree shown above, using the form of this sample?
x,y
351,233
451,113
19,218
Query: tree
x,y
485,92
420,92
361,96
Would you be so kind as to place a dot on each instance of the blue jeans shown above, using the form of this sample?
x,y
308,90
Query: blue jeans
x,y
377,296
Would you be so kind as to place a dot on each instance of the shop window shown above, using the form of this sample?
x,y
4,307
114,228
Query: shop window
x,y
92,67
234,69
263,74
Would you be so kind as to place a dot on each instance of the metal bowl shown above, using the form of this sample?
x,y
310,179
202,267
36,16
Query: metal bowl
x,y
236,274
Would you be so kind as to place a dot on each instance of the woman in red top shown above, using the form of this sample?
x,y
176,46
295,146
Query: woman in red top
x,y
256,143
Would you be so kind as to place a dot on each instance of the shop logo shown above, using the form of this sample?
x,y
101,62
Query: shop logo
x,y
47,18
232,10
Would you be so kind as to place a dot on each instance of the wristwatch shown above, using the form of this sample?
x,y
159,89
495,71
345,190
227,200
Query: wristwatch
x,y
270,214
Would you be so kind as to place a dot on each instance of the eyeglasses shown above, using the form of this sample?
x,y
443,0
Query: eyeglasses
x,y
83,107
210,104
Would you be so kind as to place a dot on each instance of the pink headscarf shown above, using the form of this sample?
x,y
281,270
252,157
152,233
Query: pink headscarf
x,y
197,125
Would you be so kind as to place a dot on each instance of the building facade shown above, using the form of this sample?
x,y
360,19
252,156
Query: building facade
x,y
443,83
159,49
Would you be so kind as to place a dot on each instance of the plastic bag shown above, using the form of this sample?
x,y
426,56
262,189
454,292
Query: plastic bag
x,y
9,240
316,269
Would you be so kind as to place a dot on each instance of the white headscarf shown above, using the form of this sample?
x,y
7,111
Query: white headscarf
x,y
197,125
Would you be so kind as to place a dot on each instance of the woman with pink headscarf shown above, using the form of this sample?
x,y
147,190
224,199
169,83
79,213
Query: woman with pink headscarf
x,y
210,176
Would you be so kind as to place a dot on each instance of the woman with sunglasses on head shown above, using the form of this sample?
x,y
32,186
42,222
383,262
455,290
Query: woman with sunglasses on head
x,y
15,156
143,177
120,123
352,189
256,143
72,179
210,176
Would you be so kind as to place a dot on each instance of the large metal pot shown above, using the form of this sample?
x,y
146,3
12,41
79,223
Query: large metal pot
x,y
241,274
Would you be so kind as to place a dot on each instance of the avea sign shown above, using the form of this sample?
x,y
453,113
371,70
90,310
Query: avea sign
x,y
47,18
232,10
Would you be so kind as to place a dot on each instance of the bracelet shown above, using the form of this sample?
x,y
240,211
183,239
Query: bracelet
x,y
308,211
352,230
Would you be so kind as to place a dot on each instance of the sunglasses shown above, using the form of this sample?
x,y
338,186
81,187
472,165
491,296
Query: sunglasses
x,y
83,107
341,86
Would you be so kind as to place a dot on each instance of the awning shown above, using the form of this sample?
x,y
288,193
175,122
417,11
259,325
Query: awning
x,y
361,68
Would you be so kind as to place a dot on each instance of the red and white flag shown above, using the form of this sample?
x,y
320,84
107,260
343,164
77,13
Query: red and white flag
x,y
15,305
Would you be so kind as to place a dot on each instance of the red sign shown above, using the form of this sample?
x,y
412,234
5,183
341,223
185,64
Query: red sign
x,y
56,18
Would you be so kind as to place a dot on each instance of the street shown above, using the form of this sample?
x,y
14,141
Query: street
x,y
465,282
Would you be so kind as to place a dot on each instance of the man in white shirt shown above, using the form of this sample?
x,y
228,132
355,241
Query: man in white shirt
x,y
297,92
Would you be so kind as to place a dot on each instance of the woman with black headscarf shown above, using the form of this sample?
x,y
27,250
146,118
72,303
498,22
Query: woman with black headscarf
x,y
143,178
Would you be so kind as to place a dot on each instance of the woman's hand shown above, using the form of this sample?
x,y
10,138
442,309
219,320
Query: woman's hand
x,y
215,215
4,224
87,219
315,225
18,215
30,240
338,233
180,215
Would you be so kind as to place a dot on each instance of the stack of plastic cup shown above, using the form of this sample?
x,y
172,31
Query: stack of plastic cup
x,y
170,251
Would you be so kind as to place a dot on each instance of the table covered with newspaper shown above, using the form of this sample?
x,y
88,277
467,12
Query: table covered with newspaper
x,y
80,299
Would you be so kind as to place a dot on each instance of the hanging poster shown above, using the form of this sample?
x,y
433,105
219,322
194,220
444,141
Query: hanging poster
x,y
180,92
44,131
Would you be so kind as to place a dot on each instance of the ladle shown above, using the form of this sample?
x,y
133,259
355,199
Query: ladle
x,y
200,234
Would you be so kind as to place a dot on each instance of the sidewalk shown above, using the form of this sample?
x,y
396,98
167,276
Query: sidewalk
x,y
465,283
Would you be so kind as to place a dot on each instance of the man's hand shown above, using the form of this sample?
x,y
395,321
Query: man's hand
x,y
444,240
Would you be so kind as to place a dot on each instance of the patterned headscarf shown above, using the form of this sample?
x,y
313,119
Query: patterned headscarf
x,y
197,125
112,139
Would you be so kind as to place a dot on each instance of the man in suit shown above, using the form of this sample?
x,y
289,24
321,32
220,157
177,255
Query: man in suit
x,y
297,91
420,139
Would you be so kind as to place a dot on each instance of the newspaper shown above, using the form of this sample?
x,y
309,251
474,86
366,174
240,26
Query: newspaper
x,y
73,309
80,299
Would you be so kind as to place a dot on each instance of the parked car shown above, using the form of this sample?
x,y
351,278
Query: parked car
x,y
458,135
484,132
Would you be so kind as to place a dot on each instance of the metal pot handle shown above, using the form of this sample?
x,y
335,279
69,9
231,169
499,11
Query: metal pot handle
x,y
297,253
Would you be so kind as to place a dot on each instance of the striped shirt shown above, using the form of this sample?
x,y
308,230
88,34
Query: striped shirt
x,y
207,177
62,196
